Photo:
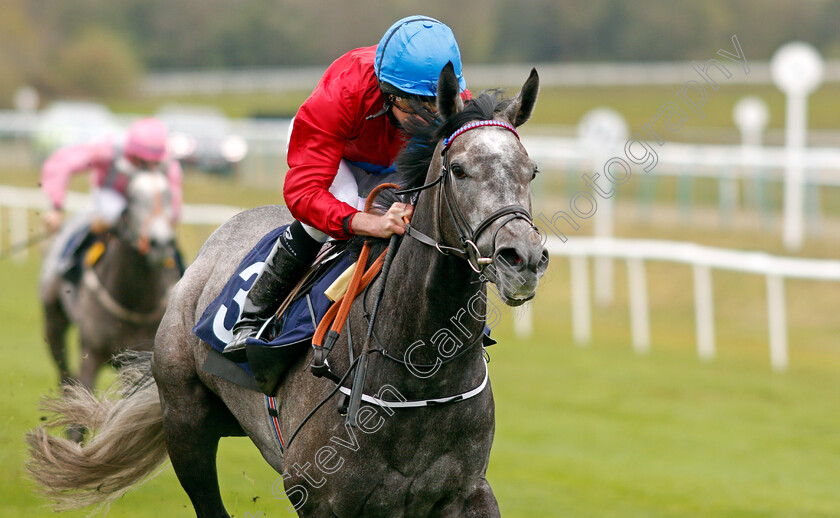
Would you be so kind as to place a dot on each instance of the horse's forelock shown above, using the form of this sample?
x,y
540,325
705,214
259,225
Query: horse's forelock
x,y
413,161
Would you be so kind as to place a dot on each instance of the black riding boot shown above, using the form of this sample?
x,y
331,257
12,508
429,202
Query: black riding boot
x,y
288,261
71,266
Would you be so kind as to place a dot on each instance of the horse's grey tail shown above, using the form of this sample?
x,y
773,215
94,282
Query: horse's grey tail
x,y
124,439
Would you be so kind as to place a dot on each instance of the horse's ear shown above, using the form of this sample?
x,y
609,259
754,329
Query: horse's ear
x,y
448,92
520,108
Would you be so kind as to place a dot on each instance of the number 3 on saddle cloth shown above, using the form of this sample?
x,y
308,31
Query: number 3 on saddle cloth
x,y
288,338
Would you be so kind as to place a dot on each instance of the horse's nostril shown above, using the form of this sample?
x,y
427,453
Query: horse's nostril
x,y
509,257
544,259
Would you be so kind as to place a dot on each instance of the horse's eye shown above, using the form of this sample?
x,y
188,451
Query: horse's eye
x,y
535,172
458,171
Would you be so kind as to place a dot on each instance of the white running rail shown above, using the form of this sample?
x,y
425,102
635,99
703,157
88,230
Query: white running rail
x,y
17,204
702,259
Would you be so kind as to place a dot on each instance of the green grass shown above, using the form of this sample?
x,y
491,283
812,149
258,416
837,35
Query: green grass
x,y
581,431
608,433
600,431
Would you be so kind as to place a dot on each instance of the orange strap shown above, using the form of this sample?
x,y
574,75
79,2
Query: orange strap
x,y
346,300
352,289
338,312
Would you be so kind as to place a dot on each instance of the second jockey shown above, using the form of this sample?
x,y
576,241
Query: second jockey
x,y
112,165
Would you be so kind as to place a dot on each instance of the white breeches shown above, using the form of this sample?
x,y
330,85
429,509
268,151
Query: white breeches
x,y
108,205
345,187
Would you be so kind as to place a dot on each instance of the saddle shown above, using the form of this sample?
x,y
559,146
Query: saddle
x,y
284,338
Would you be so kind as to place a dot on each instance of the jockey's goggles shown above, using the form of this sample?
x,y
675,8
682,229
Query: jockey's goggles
x,y
145,165
404,104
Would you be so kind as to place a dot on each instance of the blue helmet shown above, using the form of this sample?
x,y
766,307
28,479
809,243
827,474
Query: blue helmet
x,y
412,53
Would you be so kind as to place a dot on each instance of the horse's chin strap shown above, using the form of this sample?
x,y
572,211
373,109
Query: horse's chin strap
x,y
469,249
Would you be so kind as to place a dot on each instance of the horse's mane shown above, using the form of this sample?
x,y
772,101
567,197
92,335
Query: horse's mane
x,y
413,162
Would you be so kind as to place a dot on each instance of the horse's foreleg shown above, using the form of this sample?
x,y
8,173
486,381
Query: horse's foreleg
x,y
56,323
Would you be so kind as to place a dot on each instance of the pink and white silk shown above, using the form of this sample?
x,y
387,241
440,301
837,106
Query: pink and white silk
x,y
98,158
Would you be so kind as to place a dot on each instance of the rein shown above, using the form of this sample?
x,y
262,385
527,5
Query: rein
x,y
466,234
113,307
338,312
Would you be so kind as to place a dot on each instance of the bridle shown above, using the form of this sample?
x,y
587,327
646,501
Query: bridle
x,y
140,237
467,236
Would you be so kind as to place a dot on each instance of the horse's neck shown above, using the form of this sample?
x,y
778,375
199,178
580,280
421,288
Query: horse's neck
x,y
431,298
128,278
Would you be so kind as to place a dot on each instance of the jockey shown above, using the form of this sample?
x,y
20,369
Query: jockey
x,y
111,165
343,142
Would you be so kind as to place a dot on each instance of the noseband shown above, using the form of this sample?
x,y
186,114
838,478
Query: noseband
x,y
466,234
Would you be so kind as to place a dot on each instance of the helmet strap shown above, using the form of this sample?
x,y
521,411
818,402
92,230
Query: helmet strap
x,y
391,116
386,108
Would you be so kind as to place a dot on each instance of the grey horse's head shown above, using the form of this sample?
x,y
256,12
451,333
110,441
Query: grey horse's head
x,y
489,176
148,219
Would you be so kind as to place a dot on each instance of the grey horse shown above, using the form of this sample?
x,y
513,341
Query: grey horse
x,y
121,298
420,443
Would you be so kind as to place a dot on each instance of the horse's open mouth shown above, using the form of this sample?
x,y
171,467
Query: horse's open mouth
x,y
518,301
514,290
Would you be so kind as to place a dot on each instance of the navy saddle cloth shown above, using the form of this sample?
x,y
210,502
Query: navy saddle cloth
x,y
289,337
297,325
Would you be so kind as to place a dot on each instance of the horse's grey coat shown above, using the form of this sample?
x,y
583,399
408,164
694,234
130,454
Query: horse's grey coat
x,y
415,463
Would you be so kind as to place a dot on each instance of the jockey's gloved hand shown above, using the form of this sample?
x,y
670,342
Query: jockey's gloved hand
x,y
99,226
53,220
